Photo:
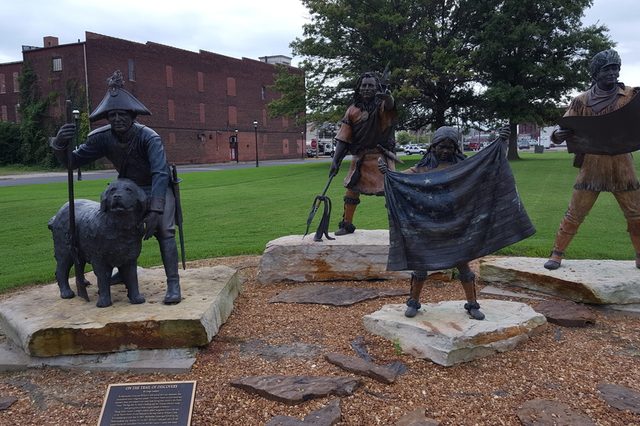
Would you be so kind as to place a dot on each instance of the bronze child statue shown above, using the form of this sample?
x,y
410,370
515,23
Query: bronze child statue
x,y
444,216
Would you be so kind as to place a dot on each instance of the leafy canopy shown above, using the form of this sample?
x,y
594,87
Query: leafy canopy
x,y
453,61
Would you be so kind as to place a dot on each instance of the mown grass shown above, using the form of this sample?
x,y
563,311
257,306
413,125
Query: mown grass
x,y
238,211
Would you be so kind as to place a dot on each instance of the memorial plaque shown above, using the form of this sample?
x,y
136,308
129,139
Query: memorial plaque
x,y
153,403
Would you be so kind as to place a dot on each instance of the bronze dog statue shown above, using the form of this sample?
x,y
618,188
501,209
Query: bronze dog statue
x,y
109,235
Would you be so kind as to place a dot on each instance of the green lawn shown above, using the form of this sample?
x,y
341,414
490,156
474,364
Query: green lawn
x,y
238,211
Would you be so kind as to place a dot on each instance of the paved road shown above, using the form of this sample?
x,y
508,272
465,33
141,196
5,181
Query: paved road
x,y
50,177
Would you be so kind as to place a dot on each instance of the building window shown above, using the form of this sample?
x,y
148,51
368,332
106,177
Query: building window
x,y
201,111
200,82
3,86
231,86
17,107
132,70
57,64
232,116
3,113
16,83
263,93
171,107
169,72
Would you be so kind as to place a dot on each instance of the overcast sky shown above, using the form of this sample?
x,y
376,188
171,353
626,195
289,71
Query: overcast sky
x,y
237,28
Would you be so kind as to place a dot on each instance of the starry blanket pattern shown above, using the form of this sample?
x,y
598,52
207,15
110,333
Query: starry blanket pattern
x,y
446,217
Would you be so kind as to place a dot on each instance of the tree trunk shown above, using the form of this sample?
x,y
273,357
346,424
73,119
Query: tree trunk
x,y
512,154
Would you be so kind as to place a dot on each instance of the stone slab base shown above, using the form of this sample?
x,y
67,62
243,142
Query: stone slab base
x,y
168,361
444,333
359,256
613,282
42,324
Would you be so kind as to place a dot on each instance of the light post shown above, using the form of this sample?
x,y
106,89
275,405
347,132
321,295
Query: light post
x,y
76,120
237,147
255,128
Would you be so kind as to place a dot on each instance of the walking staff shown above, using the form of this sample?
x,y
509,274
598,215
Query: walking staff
x,y
81,289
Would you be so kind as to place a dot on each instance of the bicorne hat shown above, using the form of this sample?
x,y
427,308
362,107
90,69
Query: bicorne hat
x,y
118,98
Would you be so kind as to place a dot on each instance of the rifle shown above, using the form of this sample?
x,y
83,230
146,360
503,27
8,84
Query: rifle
x,y
81,289
384,80
175,181
323,226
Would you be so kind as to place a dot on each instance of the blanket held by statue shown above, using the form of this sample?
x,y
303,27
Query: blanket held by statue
x,y
445,217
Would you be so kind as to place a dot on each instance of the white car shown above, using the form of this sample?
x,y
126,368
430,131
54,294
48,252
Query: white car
x,y
413,149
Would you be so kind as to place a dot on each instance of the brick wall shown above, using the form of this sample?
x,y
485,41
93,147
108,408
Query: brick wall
x,y
210,96
66,80
197,99
9,91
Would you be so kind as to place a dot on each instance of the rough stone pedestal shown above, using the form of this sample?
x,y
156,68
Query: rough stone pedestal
x,y
444,333
359,256
588,281
44,325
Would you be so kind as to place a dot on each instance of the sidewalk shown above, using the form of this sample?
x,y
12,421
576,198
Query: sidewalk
x,y
59,176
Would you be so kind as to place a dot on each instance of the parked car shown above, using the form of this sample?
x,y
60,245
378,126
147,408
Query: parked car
x,y
471,146
326,148
524,143
413,149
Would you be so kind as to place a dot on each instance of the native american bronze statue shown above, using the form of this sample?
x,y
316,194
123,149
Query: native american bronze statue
x,y
611,172
366,133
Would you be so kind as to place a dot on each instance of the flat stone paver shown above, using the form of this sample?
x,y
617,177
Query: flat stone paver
x,y
541,412
587,281
444,333
296,389
620,397
42,324
566,313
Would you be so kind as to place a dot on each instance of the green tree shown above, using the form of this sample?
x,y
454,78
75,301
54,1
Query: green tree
x,y
9,143
532,54
428,44
33,118
404,138
292,102
453,61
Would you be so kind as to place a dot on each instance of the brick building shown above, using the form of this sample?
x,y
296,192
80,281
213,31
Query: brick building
x,y
9,91
198,100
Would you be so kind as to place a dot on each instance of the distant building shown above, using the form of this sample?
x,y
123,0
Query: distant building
x,y
200,102
276,59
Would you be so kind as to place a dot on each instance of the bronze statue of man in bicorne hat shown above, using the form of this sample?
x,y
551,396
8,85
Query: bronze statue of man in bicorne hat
x,y
137,153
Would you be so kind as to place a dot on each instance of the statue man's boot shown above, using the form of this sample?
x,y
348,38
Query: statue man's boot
x,y
468,281
633,226
351,201
169,253
564,236
413,304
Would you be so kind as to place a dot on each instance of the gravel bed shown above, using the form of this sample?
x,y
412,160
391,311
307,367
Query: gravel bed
x,y
562,364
